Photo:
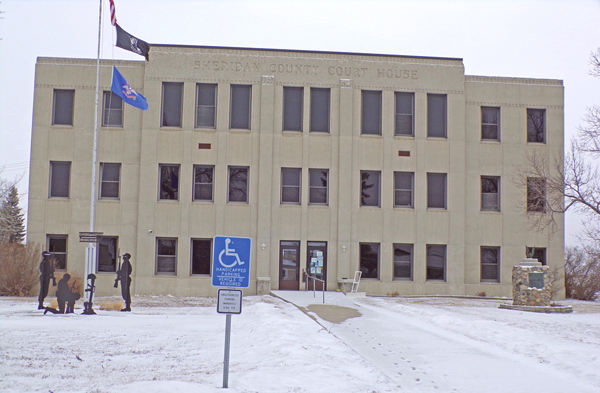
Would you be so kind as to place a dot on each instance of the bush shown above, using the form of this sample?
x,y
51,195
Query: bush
x,y
19,268
582,273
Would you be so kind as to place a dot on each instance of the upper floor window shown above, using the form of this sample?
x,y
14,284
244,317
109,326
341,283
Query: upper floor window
x,y
206,105
293,99
436,190
490,193
62,107
536,125
172,108
318,187
240,107
403,189
536,194
490,123
168,182
238,184
319,109
437,115
290,185
109,180
405,111
371,112
203,182
370,187
60,179
112,115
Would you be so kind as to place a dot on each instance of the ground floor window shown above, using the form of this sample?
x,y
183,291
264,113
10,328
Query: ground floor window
x,y
201,256
403,261
166,255
369,260
107,253
490,264
57,245
436,262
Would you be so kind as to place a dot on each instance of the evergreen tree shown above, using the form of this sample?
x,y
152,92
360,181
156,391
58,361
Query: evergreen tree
x,y
12,227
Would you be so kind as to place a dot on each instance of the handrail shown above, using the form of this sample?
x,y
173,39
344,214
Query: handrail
x,y
314,279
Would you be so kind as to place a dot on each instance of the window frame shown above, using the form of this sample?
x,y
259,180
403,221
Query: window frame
x,y
397,114
428,265
316,106
160,181
247,197
411,205
539,251
488,124
497,193
293,172
536,203
362,188
432,131
58,104
116,254
482,264
293,109
196,184
171,105
192,254
173,256
107,110
531,122
361,258
396,264
366,117
199,106
51,183
233,107
49,247
312,187
430,177
104,182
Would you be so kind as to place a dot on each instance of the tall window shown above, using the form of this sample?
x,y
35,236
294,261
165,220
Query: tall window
x,y
371,112
109,180
293,99
436,190
405,111
172,99
238,184
206,105
536,194
490,123
370,187
536,127
290,185
62,108
490,264
318,187
107,253
403,189
60,178
436,262
403,261
436,115
203,182
112,115
168,182
319,109
369,260
201,256
490,193
57,245
241,103
166,255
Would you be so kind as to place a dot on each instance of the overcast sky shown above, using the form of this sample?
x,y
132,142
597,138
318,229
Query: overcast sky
x,y
514,38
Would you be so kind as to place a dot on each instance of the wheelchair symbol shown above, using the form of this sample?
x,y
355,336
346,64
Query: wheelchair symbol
x,y
230,252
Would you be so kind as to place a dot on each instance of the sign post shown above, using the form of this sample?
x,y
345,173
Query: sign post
x,y
230,269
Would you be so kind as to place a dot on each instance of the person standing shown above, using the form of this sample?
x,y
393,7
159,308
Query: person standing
x,y
124,275
47,273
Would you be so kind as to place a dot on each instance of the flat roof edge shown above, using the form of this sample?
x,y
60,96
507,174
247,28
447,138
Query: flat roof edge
x,y
513,80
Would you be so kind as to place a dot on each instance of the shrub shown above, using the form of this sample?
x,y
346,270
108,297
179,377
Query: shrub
x,y
19,268
582,273
481,294
112,305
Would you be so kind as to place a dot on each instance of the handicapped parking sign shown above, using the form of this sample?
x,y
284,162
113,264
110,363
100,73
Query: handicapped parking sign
x,y
231,261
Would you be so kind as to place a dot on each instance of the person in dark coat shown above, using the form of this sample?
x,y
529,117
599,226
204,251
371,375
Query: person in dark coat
x,y
47,273
62,292
124,275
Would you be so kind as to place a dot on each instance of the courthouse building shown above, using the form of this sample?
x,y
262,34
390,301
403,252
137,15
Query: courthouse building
x,y
401,167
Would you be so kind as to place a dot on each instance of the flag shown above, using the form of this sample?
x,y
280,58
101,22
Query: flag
x,y
113,16
121,88
131,43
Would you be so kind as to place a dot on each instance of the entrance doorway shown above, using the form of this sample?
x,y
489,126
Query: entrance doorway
x,y
289,265
316,264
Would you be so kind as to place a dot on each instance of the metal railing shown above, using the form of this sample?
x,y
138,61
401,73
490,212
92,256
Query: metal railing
x,y
314,279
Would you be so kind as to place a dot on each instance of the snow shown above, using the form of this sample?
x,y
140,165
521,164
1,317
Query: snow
x,y
369,344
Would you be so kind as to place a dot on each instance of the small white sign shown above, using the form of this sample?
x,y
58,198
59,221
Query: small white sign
x,y
229,301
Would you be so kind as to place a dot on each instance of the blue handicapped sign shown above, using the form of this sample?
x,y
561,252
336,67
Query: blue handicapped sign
x,y
231,261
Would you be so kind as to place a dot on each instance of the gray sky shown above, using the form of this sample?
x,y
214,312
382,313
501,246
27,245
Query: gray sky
x,y
514,38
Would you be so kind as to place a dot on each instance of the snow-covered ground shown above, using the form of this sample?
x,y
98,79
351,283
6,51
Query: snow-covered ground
x,y
170,344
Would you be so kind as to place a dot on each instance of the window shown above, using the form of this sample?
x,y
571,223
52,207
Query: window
x,y
490,123
172,98
166,255
436,115
57,245
109,180
539,253
107,254
241,100
536,127
201,256
62,110
490,193
371,112
290,185
318,187
404,114
436,262
536,194
112,115
403,189
206,105
60,176
369,260
292,108
238,184
490,264
436,190
168,182
369,188
319,109
203,183
403,261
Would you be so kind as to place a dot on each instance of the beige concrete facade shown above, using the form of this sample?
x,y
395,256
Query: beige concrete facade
x,y
138,217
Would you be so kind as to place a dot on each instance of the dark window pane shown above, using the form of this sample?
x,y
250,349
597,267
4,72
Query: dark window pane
x,y
113,110
403,257
290,185
64,101
240,106
369,188
539,254
60,173
206,104
436,262
169,182
171,104
109,187
238,184
107,254
292,108
403,189
490,123
203,183
490,194
371,112
536,194
318,186
369,260
201,256
436,115
57,245
404,113
490,263
436,190
166,255
536,129
319,110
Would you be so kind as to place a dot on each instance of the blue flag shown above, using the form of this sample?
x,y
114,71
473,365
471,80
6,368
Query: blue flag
x,y
121,88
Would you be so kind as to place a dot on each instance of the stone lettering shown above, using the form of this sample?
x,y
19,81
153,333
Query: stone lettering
x,y
347,71
236,66
303,69
397,73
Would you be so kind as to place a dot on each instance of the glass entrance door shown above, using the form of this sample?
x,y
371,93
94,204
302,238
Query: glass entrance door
x,y
316,264
289,265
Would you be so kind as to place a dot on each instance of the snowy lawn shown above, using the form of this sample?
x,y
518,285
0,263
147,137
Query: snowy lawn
x,y
172,345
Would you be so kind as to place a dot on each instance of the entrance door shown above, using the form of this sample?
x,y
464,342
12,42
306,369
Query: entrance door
x,y
316,264
289,265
